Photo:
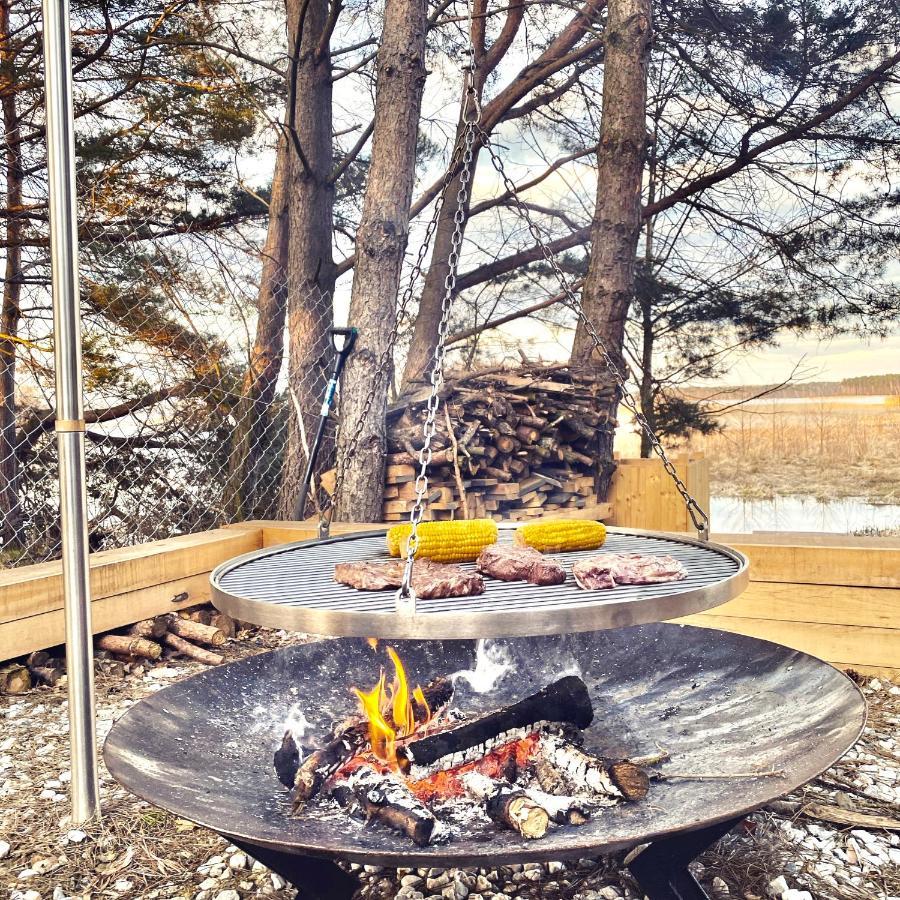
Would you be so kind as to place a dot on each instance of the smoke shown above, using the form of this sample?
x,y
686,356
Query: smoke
x,y
492,662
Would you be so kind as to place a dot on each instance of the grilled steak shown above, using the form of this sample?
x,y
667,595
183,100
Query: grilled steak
x,y
606,570
519,564
430,579
595,572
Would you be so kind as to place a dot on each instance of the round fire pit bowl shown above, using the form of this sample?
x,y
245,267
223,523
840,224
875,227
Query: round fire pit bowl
x,y
719,703
293,587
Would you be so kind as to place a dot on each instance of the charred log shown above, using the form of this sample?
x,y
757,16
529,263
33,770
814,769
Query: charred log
x,y
566,700
562,810
508,806
387,800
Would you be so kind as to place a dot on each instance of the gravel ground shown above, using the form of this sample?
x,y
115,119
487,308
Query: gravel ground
x,y
140,851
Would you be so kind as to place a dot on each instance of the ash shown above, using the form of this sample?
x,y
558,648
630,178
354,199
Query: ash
x,y
784,852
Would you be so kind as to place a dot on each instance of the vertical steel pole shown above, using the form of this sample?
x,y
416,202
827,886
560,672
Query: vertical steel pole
x,y
70,407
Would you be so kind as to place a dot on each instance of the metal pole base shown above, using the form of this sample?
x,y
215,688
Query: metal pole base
x,y
661,870
314,878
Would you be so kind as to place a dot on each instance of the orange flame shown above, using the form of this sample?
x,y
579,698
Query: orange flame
x,y
396,702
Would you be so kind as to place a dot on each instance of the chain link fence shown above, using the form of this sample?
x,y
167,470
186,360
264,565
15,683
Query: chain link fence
x,y
173,444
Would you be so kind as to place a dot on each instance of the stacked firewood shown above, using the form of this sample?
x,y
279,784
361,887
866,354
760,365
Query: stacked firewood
x,y
194,634
509,445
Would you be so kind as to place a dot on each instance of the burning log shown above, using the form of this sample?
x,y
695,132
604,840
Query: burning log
x,y
384,798
346,738
622,779
508,806
566,700
562,810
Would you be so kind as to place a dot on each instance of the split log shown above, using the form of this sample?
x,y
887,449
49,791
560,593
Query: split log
x,y
508,806
152,629
192,651
622,780
196,631
15,679
566,700
128,645
562,810
224,623
387,800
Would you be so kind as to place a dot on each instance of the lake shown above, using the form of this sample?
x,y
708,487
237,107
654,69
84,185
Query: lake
x,y
789,513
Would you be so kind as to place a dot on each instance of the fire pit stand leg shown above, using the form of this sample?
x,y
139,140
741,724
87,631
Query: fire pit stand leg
x,y
314,878
661,870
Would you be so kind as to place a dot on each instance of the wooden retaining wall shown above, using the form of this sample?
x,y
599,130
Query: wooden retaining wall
x,y
833,596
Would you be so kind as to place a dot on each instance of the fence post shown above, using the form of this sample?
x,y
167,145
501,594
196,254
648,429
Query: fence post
x,y
85,795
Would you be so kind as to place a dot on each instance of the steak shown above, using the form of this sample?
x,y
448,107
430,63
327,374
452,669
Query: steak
x,y
430,580
519,564
606,570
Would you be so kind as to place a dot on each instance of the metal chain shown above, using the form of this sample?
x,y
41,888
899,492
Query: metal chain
x,y
406,597
698,516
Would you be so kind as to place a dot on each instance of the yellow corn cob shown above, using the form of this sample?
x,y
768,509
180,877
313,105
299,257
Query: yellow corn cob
x,y
458,541
558,535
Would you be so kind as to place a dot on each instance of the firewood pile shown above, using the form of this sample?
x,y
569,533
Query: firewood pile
x,y
509,445
197,634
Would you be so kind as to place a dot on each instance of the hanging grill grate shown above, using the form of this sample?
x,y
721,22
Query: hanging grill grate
x,y
293,587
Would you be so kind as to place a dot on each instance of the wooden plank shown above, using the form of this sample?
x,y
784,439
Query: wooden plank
x,y
827,604
30,590
48,629
275,532
847,645
833,563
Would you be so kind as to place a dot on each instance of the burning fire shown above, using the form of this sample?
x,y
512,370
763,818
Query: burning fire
x,y
392,712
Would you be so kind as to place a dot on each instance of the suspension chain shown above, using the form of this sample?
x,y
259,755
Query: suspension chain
x,y
406,597
698,515
386,359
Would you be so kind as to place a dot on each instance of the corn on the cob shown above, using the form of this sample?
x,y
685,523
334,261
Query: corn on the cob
x,y
558,535
458,541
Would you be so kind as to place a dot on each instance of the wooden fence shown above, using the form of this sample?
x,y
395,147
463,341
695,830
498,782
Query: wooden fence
x,y
833,596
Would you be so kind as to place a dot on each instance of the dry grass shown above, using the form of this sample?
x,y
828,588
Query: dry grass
x,y
825,449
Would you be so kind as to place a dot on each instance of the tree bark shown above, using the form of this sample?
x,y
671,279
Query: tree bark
x,y
10,508
381,243
264,366
311,272
424,339
609,284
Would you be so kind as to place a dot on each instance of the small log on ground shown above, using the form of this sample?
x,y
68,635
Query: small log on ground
x,y
566,700
129,645
152,629
196,631
384,798
224,623
48,674
37,658
621,780
14,679
192,651
508,806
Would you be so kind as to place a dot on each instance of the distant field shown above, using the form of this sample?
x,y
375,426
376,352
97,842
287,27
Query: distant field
x,y
823,447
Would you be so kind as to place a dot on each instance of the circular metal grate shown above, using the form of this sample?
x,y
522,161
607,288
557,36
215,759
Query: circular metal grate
x,y
293,587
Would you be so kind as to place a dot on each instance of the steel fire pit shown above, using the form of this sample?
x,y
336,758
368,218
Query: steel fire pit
x,y
719,703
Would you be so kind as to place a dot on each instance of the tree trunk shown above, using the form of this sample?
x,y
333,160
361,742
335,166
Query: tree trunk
x,y
10,508
381,243
311,272
264,366
424,339
609,284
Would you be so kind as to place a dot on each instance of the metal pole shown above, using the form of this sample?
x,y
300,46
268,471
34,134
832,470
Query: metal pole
x,y
70,408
